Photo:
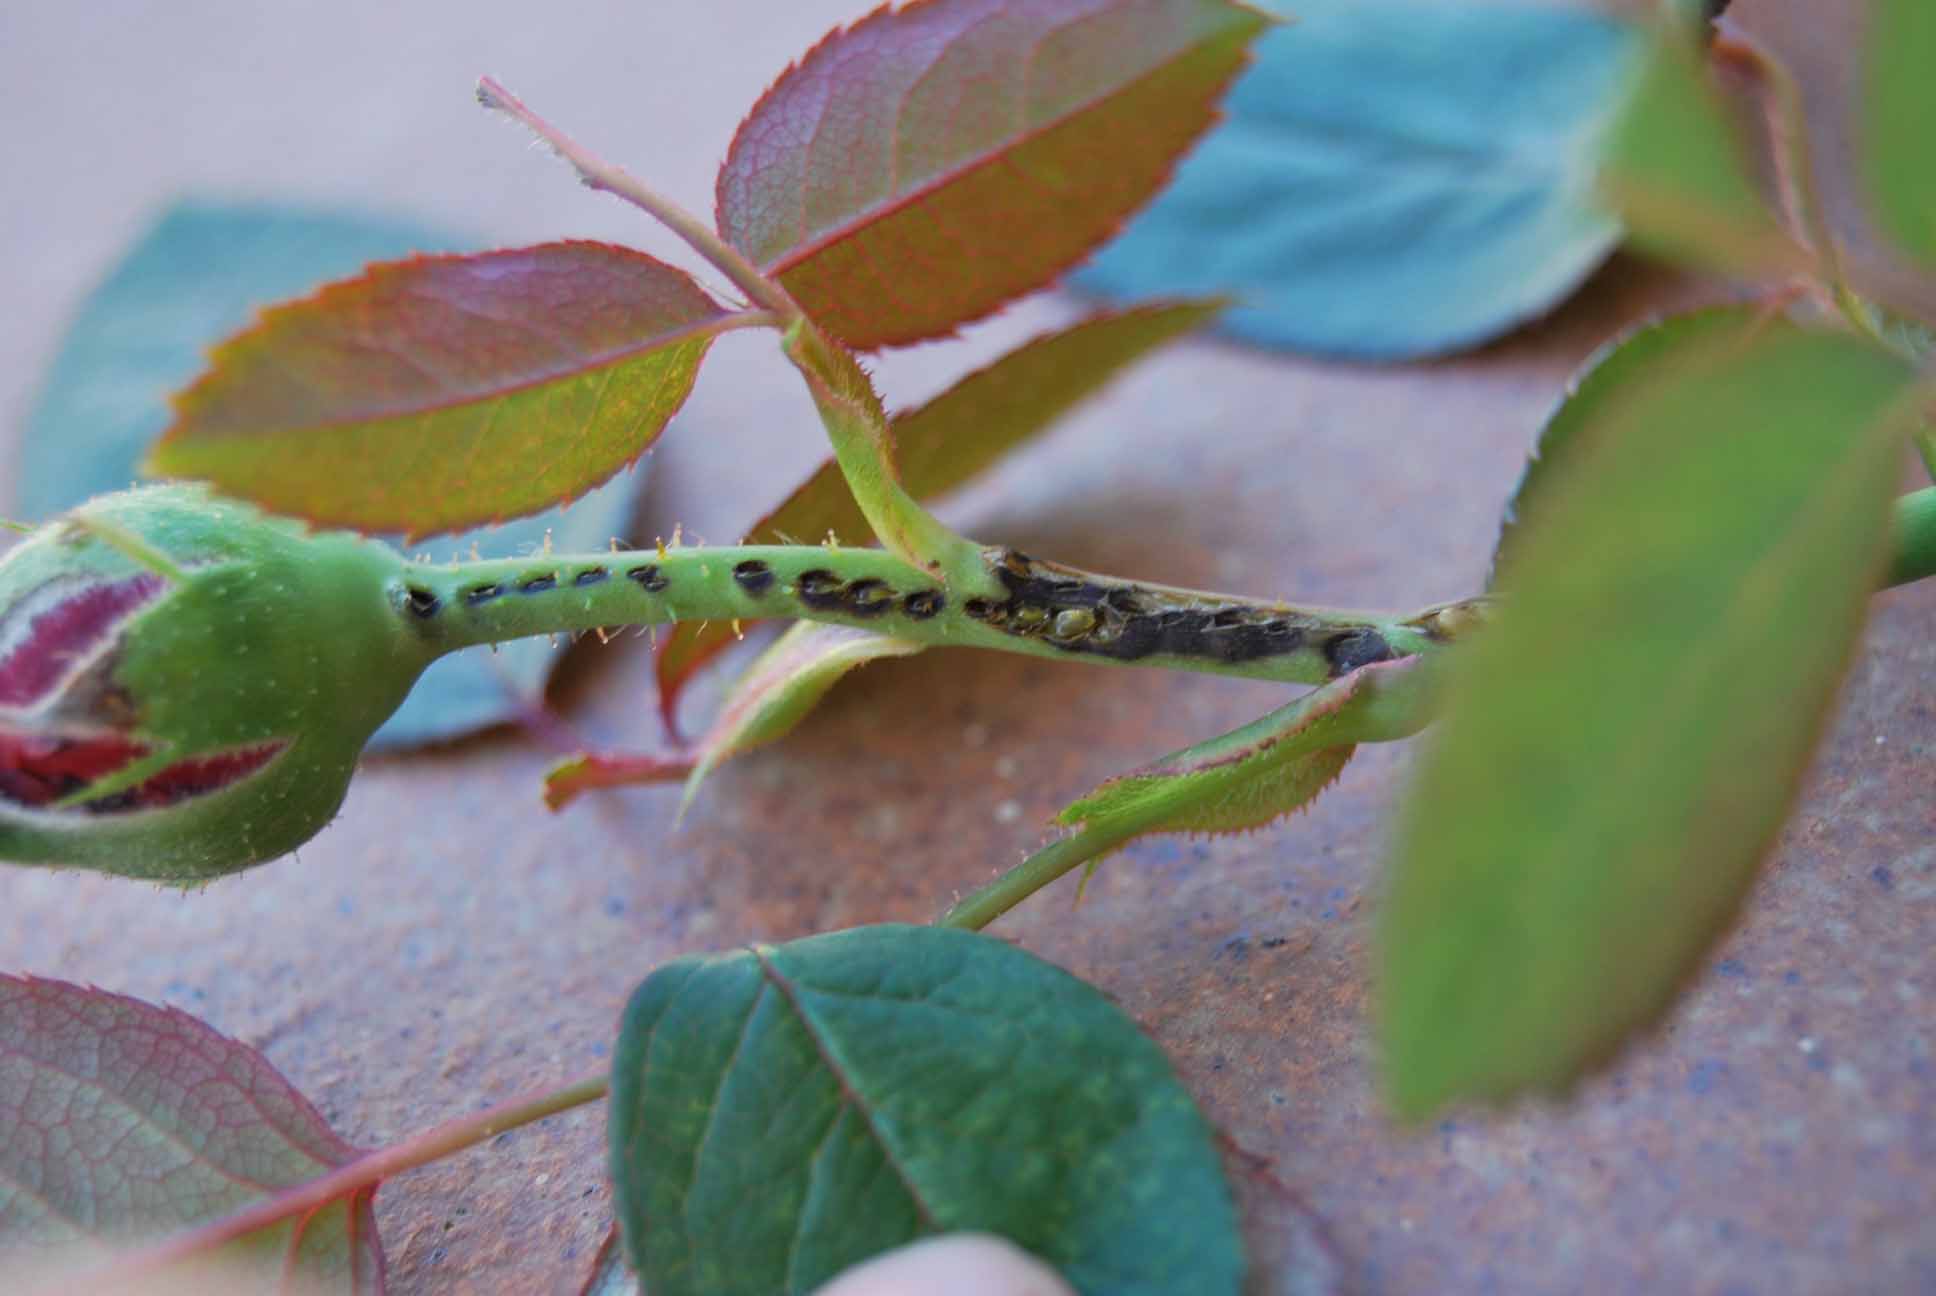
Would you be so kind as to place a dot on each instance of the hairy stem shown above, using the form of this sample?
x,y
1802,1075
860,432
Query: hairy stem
x,y
981,907
863,445
366,1171
596,173
1043,610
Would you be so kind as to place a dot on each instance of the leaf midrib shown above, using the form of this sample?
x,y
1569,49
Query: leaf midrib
x,y
850,1094
702,330
864,218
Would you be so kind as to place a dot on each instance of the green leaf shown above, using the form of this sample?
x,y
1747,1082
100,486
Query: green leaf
x,y
1678,171
1251,776
951,440
121,1123
1899,93
1609,374
1242,780
1621,746
195,276
922,167
781,1113
1394,178
779,688
441,393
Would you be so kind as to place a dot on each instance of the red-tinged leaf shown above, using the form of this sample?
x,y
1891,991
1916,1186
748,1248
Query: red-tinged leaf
x,y
779,688
121,1122
444,392
918,169
951,440
586,772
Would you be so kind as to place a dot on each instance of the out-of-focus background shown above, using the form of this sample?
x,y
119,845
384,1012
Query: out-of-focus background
x,y
448,943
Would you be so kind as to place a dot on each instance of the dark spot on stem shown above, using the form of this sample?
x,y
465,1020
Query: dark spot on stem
x,y
421,602
822,591
538,584
590,576
482,594
868,597
1079,613
819,589
922,604
1354,648
753,576
649,578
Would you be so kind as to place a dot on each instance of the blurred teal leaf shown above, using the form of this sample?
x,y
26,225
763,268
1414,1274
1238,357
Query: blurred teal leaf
x,y
782,1113
1395,178
197,275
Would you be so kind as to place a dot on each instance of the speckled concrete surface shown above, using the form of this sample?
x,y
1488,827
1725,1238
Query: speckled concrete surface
x,y
448,944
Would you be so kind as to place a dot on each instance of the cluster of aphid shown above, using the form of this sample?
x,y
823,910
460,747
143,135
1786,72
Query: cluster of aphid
x,y
1079,613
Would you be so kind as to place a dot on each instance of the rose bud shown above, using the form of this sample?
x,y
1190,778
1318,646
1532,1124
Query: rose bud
x,y
186,684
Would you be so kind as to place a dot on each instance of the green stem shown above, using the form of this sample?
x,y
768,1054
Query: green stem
x,y
1915,555
863,444
127,1272
1045,610
979,908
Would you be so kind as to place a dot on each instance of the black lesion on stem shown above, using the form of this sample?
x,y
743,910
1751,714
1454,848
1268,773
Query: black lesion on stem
x,y
869,597
648,577
591,576
753,576
1078,613
1350,649
922,604
820,590
538,584
422,603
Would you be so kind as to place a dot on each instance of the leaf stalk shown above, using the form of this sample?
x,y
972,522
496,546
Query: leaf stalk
x,y
597,173
366,1171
